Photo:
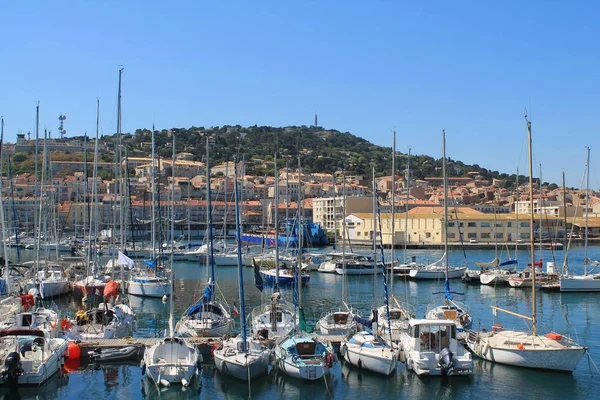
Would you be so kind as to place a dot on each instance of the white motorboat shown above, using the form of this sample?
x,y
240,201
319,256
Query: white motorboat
x,y
431,348
29,356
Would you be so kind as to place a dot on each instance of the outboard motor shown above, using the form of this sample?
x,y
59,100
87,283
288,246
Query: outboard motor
x,y
446,362
12,368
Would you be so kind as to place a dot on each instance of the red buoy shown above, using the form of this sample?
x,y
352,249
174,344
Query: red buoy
x,y
74,351
72,364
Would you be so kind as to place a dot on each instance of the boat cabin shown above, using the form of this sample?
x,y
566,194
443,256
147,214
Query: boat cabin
x,y
432,335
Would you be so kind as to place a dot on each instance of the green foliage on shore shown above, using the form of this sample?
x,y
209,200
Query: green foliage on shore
x,y
320,150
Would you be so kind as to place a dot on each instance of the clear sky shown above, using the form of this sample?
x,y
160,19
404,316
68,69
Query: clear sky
x,y
365,67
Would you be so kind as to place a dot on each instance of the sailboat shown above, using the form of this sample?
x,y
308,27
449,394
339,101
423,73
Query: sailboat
x,y
299,355
275,318
500,271
241,357
338,322
148,283
209,317
528,349
450,309
172,360
586,282
366,349
397,313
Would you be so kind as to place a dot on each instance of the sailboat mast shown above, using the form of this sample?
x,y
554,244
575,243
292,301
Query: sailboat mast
x,y
531,234
119,156
96,222
276,240
566,262
374,186
153,188
37,142
587,204
393,236
300,238
239,254
445,203
517,213
4,231
172,301
407,199
210,255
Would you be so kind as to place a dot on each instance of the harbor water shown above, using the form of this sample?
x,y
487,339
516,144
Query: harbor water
x,y
572,314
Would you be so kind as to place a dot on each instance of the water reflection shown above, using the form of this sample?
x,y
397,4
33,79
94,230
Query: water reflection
x,y
49,390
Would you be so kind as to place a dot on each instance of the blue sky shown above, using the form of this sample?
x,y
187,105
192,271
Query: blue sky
x,y
365,67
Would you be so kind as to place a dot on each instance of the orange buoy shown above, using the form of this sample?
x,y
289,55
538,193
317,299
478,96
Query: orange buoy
x,y
73,351
72,364
520,346
554,336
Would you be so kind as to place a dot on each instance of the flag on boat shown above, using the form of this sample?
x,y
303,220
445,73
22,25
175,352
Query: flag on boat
x,y
150,263
235,310
537,263
124,260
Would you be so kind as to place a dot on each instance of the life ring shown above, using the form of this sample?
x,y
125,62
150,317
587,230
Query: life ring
x,y
65,324
497,328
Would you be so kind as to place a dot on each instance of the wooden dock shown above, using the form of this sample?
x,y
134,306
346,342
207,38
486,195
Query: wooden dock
x,y
204,344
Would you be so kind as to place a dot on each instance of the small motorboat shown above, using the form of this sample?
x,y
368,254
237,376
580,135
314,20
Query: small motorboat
x,y
114,354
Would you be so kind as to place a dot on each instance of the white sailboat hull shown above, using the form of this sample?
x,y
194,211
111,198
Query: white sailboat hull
x,y
515,348
55,288
243,365
580,283
437,273
379,360
171,360
149,289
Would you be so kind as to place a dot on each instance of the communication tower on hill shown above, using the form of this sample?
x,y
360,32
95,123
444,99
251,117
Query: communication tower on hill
x,y
61,129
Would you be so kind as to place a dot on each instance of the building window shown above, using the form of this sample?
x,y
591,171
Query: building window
x,y
451,235
472,225
450,224
485,235
485,224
